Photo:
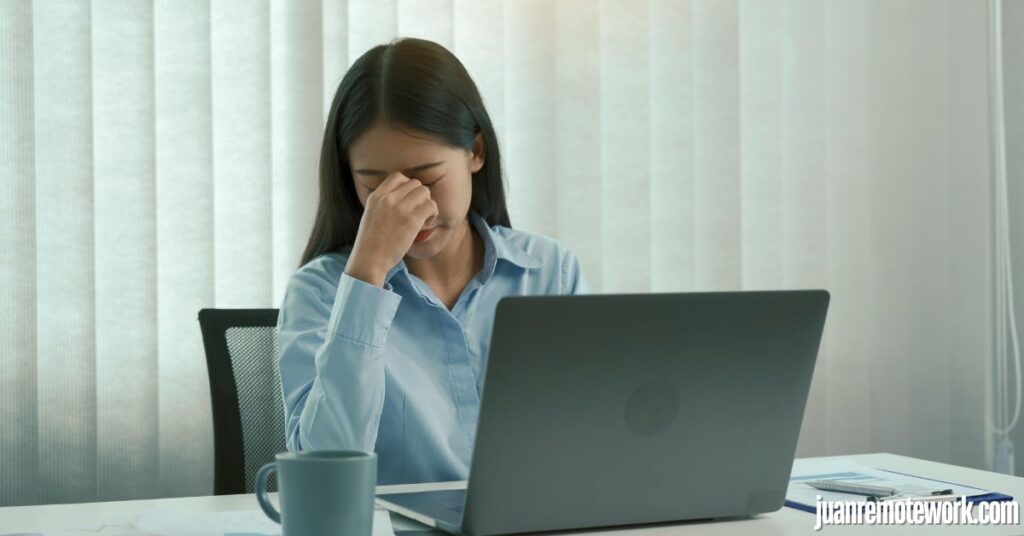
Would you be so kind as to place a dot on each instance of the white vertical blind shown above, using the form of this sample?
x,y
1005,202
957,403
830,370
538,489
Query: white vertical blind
x,y
370,23
334,28
529,139
671,153
927,207
296,95
761,145
65,252
716,145
480,46
160,157
185,242
18,290
804,208
625,136
125,249
576,171
242,189
848,226
427,19
889,160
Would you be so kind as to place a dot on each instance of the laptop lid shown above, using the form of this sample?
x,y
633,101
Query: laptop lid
x,y
603,410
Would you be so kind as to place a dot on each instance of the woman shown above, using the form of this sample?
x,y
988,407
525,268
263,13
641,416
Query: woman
x,y
384,330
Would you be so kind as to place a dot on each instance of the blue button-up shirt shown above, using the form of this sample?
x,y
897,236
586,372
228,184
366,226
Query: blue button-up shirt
x,y
391,369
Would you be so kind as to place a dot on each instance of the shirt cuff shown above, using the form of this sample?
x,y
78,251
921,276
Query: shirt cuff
x,y
363,312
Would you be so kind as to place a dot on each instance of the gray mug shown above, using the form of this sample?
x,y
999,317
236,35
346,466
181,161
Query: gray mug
x,y
322,492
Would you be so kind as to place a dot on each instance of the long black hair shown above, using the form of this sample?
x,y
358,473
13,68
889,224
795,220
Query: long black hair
x,y
412,84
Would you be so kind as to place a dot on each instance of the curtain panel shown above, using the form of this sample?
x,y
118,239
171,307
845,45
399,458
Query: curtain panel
x,y
158,157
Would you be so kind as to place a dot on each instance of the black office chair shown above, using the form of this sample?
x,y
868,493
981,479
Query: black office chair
x,y
245,388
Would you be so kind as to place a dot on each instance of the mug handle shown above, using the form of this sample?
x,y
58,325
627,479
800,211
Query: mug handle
x,y
261,492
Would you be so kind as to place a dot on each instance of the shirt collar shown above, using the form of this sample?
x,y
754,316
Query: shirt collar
x,y
500,247
496,247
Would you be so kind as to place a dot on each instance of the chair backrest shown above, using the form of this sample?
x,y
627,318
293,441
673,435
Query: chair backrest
x,y
245,388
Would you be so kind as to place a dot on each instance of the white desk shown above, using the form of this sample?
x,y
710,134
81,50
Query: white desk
x,y
784,521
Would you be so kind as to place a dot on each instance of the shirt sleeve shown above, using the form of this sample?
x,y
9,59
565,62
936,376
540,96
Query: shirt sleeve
x,y
331,362
573,281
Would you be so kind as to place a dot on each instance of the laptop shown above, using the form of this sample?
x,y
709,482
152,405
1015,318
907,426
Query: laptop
x,y
605,410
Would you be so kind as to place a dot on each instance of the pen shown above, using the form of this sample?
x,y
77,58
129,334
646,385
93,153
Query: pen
x,y
851,487
926,498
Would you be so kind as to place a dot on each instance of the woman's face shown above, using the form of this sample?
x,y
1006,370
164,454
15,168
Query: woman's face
x,y
445,170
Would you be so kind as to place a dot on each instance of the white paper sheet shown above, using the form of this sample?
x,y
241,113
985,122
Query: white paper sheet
x,y
850,471
173,522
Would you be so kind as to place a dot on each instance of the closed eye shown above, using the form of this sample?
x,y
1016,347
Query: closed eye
x,y
431,185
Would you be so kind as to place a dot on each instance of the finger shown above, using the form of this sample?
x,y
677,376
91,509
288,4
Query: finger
x,y
426,210
390,183
412,192
400,192
396,195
